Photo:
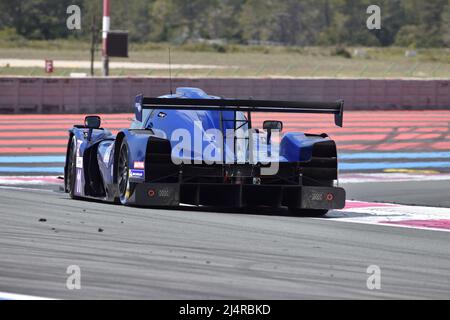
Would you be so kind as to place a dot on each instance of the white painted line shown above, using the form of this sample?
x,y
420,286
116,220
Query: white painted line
x,y
30,180
393,225
415,217
13,296
26,189
390,177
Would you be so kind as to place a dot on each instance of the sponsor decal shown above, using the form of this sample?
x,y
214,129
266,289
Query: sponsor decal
x,y
161,193
316,196
137,173
80,162
164,193
78,183
79,142
139,165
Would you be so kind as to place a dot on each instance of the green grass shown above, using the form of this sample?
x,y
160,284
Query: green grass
x,y
242,61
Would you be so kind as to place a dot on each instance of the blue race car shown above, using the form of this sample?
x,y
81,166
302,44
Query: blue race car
x,y
196,149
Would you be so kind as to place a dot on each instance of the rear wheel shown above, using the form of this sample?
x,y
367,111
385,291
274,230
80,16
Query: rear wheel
x,y
124,185
307,212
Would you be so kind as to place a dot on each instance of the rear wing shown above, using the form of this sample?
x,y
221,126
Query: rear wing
x,y
336,108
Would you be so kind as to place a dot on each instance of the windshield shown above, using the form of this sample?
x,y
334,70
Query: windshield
x,y
135,124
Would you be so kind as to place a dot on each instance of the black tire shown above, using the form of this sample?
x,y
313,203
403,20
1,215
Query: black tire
x,y
307,212
124,186
72,168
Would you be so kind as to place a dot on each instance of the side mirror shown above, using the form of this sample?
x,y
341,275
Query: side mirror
x,y
92,122
270,125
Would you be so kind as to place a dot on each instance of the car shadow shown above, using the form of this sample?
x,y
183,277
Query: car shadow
x,y
257,211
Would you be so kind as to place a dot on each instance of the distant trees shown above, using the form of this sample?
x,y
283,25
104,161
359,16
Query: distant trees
x,y
36,19
425,23
290,22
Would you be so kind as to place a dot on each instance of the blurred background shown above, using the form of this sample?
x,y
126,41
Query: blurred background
x,y
235,38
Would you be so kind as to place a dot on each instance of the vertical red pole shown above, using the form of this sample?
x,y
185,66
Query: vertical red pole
x,y
105,30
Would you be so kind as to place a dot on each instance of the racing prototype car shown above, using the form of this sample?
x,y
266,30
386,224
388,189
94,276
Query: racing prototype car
x,y
196,149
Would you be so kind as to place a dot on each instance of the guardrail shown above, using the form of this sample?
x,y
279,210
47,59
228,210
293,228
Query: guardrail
x,y
116,94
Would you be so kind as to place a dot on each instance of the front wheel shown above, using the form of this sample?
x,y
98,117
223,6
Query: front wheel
x,y
307,212
72,168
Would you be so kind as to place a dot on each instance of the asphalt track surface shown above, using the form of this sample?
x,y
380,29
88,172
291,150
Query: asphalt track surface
x,y
421,193
198,254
